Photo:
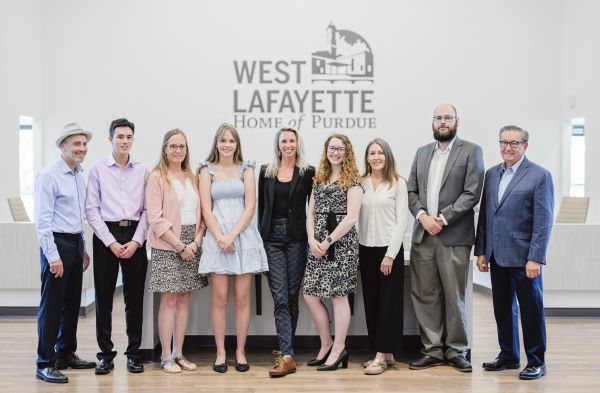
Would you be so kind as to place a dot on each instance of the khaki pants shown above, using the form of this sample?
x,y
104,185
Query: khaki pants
x,y
438,280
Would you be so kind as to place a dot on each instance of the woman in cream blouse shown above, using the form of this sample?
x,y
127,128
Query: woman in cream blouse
x,y
382,221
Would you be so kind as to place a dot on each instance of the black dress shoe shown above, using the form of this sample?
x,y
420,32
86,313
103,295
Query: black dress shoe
x,y
534,372
499,365
461,364
51,374
104,366
424,362
343,358
317,362
220,368
73,361
135,365
242,367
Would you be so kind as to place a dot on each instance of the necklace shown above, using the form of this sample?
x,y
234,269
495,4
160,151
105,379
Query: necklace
x,y
285,175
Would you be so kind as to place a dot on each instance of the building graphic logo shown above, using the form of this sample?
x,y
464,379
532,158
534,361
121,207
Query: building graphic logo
x,y
333,90
349,58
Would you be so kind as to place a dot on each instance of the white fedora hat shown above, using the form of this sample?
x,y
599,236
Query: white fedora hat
x,y
72,129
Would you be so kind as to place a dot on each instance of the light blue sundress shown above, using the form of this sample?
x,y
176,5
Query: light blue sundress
x,y
228,205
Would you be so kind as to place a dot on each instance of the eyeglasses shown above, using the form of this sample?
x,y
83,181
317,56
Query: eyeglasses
x,y
333,149
177,147
447,118
513,144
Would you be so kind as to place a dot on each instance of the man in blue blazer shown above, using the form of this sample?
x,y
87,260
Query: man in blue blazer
x,y
515,220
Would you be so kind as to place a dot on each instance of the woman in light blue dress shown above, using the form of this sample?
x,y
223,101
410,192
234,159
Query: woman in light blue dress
x,y
232,245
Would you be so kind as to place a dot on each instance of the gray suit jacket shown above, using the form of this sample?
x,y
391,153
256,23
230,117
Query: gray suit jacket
x,y
459,193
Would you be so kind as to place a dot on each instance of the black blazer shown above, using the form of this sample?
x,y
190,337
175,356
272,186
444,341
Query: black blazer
x,y
300,190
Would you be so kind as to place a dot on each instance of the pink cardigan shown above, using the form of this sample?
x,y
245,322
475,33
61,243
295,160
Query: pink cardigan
x,y
162,208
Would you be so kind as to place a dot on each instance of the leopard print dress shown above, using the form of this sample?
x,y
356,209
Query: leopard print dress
x,y
332,276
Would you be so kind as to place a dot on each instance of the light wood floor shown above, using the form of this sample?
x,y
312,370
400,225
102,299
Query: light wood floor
x,y
573,361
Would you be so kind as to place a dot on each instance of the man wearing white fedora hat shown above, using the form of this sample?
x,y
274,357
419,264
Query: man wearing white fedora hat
x,y
59,214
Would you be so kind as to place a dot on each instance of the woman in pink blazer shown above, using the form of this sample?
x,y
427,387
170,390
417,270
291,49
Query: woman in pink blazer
x,y
175,236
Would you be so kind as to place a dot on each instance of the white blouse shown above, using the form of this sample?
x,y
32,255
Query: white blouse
x,y
188,201
383,216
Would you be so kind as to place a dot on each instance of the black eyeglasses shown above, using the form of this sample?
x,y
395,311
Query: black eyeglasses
x,y
513,144
333,149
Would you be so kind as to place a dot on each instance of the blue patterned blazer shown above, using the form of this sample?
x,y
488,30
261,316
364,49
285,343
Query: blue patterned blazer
x,y
517,228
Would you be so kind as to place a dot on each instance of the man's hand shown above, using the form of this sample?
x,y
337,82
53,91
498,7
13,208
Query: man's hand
x,y
129,249
440,221
86,261
482,265
533,269
56,268
430,224
117,249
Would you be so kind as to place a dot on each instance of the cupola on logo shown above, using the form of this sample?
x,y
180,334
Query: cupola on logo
x,y
349,58
272,93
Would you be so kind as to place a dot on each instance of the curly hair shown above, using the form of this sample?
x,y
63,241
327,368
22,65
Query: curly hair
x,y
349,174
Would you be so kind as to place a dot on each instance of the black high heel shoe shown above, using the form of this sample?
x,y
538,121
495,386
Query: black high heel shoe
x,y
318,362
343,358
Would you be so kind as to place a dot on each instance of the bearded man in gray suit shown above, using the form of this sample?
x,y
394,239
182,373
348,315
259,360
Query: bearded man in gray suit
x,y
443,188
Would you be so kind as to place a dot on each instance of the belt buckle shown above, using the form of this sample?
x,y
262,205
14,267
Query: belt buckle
x,y
124,223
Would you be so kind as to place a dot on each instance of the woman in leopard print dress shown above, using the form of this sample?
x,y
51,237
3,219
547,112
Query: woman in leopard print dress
x,y
332,268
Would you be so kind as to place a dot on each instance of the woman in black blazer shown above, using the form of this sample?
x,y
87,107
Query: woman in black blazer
x,y
284,187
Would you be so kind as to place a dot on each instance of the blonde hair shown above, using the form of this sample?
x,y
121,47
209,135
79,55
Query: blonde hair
x,y
163,163
301,163
213,156
390,176
349,173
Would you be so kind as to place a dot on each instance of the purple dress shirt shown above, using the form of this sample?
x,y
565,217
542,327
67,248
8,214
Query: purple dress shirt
x,y
115,194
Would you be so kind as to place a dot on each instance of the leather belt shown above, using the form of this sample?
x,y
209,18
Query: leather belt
x,y
122,223
67,236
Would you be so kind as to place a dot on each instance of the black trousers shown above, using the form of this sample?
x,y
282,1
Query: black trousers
x,y
106,270
383,297
60,301
287,262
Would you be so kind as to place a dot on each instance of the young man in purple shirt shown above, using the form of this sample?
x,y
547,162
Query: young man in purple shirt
x,y
116,211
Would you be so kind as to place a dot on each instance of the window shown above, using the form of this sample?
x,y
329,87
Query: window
x,y
26,162
577,157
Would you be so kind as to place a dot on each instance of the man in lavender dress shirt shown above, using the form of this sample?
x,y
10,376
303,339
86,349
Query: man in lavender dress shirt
x,y
59,203
116,211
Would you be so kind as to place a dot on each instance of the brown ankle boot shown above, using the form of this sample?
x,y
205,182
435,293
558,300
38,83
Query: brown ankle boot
x,y
284,365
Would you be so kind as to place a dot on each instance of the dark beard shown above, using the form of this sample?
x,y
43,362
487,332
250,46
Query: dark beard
x,y
444,137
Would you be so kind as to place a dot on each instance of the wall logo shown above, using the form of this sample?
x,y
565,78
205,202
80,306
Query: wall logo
x,y
276,93
348,59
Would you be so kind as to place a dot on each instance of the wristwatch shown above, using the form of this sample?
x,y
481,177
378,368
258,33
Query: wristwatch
x,y
329,240
180,247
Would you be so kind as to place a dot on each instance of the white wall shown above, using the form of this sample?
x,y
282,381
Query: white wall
x,y
581,85
21,24
169,64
